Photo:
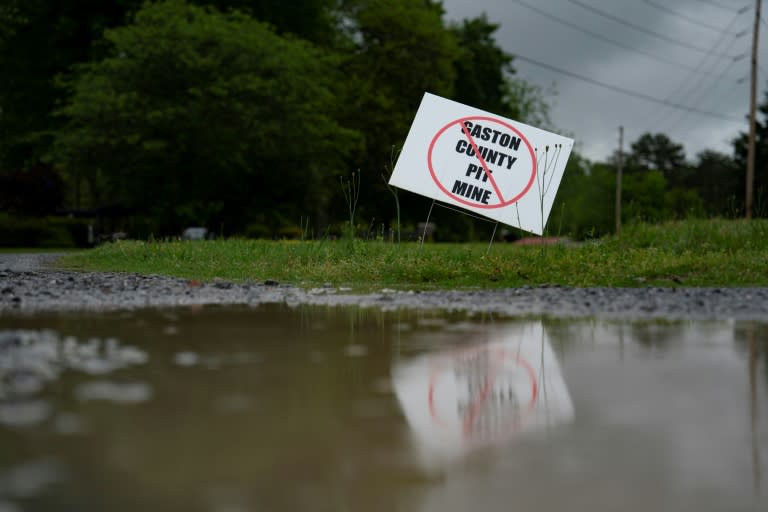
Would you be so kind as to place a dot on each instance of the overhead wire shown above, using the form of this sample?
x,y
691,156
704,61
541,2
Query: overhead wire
x,y
739,81
701,88
658,35
689,77
601,37
685,17
628,92
740,10
696,90
674,125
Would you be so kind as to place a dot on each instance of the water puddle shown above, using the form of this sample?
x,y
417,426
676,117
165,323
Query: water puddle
x,y
320,408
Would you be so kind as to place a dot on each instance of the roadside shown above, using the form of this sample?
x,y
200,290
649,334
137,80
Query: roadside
x,y
27,261
29,285
693,253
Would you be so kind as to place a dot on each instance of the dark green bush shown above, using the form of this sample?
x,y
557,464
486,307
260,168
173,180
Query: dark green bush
x,y
43,232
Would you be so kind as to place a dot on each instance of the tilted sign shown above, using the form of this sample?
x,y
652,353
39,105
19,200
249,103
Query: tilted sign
x,y
493,166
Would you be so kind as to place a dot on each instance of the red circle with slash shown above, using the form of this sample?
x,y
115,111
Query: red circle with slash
x,y
502,201
501,356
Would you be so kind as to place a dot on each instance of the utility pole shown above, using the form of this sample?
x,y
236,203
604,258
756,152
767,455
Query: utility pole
x,y
619,171
748,202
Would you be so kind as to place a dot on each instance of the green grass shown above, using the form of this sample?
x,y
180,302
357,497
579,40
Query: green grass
x,y
689,253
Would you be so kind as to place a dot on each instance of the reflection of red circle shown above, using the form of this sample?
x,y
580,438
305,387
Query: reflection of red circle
x,y
502,354
462,200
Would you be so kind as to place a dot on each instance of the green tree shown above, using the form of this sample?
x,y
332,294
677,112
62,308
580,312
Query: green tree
x,y
11,19
38,40
206,117
645,197
314,20
761,161
401,50
719,181
481,67
584,206
658,152
485,76
585,203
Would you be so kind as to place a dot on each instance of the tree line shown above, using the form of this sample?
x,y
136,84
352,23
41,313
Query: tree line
x,y
249,116
660,183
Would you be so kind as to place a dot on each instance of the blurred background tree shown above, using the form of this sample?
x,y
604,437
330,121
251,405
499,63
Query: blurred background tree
x,y
761,161
198,116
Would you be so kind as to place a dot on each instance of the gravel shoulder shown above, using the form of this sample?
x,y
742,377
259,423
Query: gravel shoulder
x,y
28,284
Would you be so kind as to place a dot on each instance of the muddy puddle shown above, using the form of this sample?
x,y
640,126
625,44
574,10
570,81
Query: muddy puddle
x,y
336,409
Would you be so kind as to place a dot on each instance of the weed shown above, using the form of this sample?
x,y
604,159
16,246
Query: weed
x,y
390,169
351,190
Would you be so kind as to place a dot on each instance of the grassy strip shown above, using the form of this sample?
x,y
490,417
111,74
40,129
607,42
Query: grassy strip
x,y
690,253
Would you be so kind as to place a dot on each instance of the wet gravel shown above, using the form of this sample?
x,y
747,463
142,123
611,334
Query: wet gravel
x,y
28,284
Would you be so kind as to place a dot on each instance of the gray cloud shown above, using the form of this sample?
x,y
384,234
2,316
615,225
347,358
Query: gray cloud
x,y
679,74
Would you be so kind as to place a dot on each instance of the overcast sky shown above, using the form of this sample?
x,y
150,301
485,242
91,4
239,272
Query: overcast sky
x,y
683,52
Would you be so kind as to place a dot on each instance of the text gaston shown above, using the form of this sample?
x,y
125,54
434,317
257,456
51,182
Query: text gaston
x,y
503,160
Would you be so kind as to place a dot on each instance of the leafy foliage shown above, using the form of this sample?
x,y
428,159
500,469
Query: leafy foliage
x,y
481,67
761,161
38,40
719,182
197,116
656,151
399,50
584,204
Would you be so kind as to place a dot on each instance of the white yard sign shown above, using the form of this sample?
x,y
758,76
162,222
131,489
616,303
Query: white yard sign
x,y
490,165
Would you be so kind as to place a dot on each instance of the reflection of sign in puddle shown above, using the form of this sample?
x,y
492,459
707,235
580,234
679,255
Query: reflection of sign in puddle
x,y
492,390
458,400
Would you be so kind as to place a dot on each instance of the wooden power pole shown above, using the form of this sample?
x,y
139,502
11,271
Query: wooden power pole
x,y
619,171
748,202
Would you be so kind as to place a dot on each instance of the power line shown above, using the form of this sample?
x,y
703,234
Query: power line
x,y
740,10
644,30
698,85
689,78
601,37
685,17
699,89
701,95
627,92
